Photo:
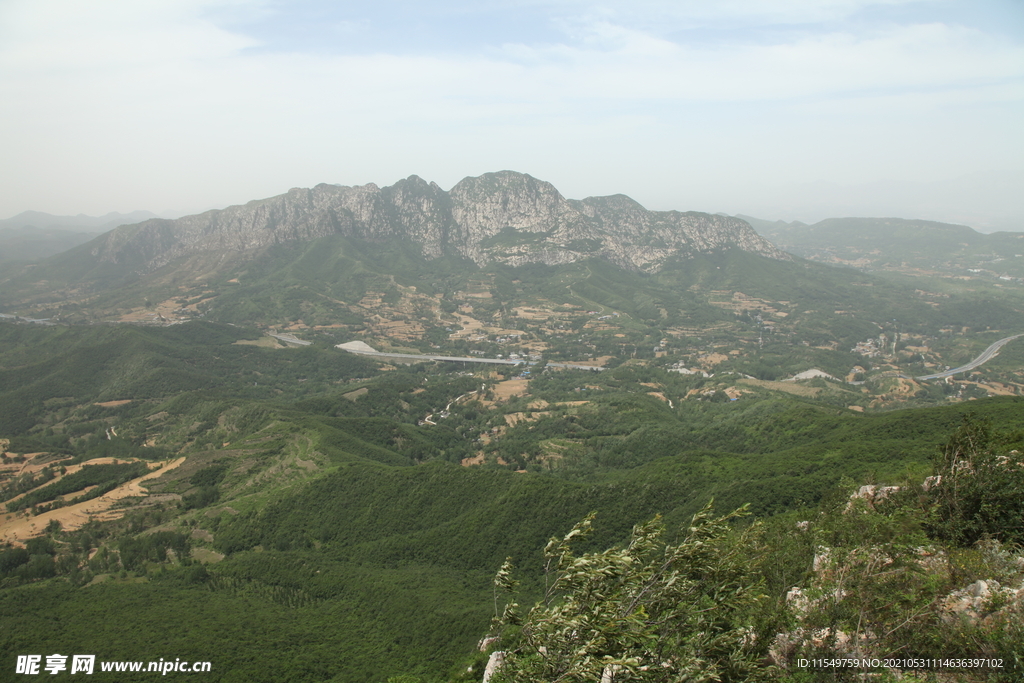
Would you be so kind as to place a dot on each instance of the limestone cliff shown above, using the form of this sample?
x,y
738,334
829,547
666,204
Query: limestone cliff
x,y
502,217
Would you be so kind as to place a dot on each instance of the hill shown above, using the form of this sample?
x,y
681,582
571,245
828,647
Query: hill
x,y
175,485
301,487
506,217
21,244
901,245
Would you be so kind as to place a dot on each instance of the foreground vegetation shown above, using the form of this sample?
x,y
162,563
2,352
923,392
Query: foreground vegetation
x,y
314,498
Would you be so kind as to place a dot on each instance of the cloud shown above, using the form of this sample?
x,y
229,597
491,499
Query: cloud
x,y
124,43
632,64
68,36
160,99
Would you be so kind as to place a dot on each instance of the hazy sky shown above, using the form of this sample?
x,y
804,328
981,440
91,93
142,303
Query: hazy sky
x,y
776,108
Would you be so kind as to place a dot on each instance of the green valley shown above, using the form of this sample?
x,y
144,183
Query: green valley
x,y
192,467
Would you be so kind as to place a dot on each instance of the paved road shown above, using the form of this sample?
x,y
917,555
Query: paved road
x,y
290,339
986,355
469,359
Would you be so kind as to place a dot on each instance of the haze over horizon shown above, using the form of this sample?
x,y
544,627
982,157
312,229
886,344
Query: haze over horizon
x,y
781,109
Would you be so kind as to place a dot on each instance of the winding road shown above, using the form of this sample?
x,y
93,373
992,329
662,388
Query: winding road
x,y
986,355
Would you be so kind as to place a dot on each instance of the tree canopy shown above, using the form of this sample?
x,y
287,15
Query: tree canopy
x,y
652,610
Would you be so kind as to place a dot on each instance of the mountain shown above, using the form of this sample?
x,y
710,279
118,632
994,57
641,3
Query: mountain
x,y
79,223
302,522
313,515
34,235
30,244
898,244
505,217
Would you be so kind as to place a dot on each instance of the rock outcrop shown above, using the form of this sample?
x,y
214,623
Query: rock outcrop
x,y
504,217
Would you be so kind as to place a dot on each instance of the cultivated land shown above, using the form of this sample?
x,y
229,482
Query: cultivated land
x,y
294,511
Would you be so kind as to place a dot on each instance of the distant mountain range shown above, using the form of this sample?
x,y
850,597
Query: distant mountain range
x,y
34,235
504,217
311,254
79,223
898,243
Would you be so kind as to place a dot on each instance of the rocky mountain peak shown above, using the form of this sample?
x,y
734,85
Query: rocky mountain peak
x,y
505,217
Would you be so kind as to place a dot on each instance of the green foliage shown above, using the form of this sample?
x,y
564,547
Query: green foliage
x,y
360,540
209,476
980,493
204,497
879,588
650,611
137,550
187,364
12,558
104,477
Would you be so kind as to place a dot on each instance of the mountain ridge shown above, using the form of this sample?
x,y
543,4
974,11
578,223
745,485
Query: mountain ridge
x,y
541,226
79,223
900,244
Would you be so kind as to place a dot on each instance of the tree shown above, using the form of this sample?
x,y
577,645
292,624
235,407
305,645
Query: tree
x,y
978,492
651,611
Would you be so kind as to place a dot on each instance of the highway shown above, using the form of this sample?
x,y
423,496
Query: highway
x,y
986,355
289,338
460,359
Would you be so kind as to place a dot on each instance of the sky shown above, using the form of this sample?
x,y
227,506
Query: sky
x,y
780,109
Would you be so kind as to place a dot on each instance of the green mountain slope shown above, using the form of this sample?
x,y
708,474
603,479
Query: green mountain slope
x,y
899,244
319,530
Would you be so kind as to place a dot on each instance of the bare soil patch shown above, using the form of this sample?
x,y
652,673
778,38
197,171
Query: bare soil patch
x,y
995,388
713,359
738,301
539,313
598,362
262,342
113,404
512,419
206,556
17,529
33,463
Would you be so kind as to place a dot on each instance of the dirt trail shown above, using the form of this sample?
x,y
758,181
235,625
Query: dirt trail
x,y
18,529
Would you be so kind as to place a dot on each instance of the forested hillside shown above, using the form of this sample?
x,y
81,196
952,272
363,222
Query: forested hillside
x,y
171,491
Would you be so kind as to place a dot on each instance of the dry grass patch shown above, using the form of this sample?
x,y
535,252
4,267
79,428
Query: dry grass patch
x,y
712,359
353,395
113,404
503,391
738,301
788,387
995,388
262,342
598,362
512,419
207,556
